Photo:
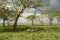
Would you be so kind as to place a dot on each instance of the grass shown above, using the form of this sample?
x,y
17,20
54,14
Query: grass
x,y
30,36
47,32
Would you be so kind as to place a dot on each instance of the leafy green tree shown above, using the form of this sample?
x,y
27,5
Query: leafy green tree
x,y
23,4
6,14
39,18
51,13
31,18
3,16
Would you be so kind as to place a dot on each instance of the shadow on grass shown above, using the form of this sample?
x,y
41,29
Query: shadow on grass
x,y
21,29
24,28
11,29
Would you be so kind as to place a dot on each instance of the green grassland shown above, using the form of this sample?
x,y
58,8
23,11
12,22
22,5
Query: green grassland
x,y
46,32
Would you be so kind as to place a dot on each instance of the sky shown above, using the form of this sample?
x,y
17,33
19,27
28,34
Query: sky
x,y
55,4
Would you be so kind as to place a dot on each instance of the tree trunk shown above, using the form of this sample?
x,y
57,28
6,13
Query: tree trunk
x,y
51,22
41,22
15,23
3,24
8,22
16,20
32,22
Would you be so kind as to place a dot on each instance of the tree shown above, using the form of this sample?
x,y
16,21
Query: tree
x,y
51,13
3,11
39,18
25,4
3,16
31,17
6,14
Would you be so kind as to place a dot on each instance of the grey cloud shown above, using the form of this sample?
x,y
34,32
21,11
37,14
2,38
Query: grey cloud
x,y
55,4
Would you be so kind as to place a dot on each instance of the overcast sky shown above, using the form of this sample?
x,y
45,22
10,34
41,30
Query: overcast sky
x,y
55,4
